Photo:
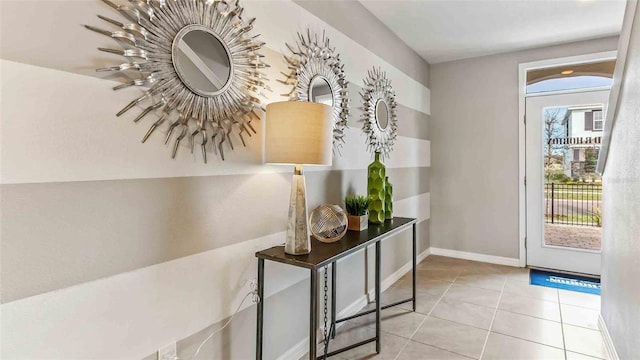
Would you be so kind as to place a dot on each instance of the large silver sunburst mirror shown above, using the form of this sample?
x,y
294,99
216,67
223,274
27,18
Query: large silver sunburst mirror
x,y
317,75
198,65
379,118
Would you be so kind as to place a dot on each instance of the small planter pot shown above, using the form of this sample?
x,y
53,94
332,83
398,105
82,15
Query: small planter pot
x,y
358,223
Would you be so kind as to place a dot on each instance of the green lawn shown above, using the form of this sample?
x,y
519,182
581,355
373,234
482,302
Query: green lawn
x,y
574,195
575,219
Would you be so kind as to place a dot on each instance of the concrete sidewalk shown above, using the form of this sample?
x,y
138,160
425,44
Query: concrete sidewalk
x,y
581,237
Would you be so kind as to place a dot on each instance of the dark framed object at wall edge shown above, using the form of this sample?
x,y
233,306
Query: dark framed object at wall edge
x,y
321,256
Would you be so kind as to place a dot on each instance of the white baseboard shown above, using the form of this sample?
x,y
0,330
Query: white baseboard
x,y
302,347
476,257
297,351
391,279
608,342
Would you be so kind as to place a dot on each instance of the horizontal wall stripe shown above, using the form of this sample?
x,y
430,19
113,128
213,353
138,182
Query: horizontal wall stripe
x,y
277,22
157,301
411,123
64,17
234,343
286,18
136,223
82,140
139,302
372,33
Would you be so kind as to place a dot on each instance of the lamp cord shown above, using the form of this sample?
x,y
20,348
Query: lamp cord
x,y
255,299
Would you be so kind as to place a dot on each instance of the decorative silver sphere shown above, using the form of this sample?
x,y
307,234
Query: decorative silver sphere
x,y
328,223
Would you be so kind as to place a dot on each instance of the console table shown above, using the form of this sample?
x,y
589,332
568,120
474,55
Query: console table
x,y
322,255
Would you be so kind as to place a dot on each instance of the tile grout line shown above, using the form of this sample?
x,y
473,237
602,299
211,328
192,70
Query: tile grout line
x,y
425,319
534,342
536,317
564,342
559,309
502,293
491,325
486,340
558,303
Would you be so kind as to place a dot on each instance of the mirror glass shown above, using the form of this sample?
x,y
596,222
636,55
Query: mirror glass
x,y
320,91
382,114
201,61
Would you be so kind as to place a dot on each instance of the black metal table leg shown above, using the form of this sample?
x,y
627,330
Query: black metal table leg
x,y
313,314
333,299
378,300
321,260
260,307
415,261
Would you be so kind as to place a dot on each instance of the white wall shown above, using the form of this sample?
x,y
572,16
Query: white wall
x,y
577,126
621,205
474,131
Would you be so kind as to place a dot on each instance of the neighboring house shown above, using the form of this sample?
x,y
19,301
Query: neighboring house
x,y
584,126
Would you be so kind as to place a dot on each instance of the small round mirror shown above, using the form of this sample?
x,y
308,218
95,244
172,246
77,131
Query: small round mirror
x,y
201,60
320,91
382,114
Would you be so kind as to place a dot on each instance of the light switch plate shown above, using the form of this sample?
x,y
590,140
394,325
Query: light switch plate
x,y
168,352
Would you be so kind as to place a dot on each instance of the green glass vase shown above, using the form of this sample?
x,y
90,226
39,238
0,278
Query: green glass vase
x,y
375,188
388,199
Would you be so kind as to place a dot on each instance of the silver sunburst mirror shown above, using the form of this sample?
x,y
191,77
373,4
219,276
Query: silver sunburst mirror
x,y
317,75
379,118
198,65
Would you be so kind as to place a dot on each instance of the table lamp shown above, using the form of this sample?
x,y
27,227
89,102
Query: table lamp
x,y
298,133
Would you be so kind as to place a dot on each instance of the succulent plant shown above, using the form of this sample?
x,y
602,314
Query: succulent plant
x,y
357,205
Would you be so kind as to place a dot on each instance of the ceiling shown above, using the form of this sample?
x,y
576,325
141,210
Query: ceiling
x,y
442,31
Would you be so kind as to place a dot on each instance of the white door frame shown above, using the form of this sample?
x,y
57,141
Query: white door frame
x,y
522,87
539,252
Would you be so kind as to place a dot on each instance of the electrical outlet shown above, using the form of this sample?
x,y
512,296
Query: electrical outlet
x,y
168,352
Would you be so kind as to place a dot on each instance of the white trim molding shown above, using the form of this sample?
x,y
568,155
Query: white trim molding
x,y
522,94
608,342
391,279
302,347
475,257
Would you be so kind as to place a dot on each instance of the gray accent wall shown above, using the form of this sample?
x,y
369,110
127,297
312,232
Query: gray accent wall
x,y
621,206
159,250
474,132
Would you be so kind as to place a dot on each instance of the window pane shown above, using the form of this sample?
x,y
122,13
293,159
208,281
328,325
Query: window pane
x,y
597,125
569,83
597,120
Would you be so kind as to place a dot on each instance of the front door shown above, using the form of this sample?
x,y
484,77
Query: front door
x,y
563,191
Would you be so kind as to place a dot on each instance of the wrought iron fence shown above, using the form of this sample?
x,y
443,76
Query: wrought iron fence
x,y
573,204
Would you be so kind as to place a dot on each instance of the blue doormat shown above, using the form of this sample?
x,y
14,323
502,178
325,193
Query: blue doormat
x,y
565,281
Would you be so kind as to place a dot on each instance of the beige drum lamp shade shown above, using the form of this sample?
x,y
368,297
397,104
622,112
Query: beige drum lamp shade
x,y
298,132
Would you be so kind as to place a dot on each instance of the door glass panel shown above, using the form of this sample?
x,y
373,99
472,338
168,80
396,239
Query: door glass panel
x,y
572,188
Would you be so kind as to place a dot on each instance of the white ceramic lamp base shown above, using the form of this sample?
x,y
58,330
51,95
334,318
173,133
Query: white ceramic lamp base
x,y
298,236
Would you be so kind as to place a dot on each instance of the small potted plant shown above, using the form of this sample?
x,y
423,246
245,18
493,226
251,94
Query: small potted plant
x,y
357,212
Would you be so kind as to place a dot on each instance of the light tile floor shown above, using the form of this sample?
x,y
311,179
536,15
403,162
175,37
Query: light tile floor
x,y
472,310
